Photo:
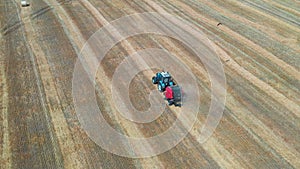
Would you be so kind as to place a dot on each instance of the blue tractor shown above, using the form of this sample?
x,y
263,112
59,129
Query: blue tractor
x,y
163,80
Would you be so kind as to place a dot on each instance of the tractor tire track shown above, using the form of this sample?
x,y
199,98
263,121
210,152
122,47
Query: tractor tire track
x,y
267,10
81,42
292,43
125,48
259,128
290,152
125,44
39,85
292,5
157,62
5,138
236,110
213,153
277,20
278,49
76,39
276,31
253,44
62,132
285,8
5,148
269,90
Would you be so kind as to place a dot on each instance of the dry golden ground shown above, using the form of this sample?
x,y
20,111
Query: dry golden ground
x,y
258,43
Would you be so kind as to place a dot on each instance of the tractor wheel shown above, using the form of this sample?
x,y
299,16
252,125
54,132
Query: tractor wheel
x,y
159,87
154,80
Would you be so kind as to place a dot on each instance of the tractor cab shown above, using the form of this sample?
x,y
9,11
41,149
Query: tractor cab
x,y
173,95
163,80
166,77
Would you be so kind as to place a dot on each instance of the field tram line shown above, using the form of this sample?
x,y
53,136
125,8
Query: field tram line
x,y
76,49
272,89
265,29
74,152
263,52
289,5
73,28
5,149
125,44
267,10
140,45
276,48
246,21
192,135
258,105
295,163
40,92
208,145
223,149
158,129
128,49
266,15
282,81
45,98
162,47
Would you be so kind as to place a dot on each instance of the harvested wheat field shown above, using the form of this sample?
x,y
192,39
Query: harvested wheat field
x,y
257,42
